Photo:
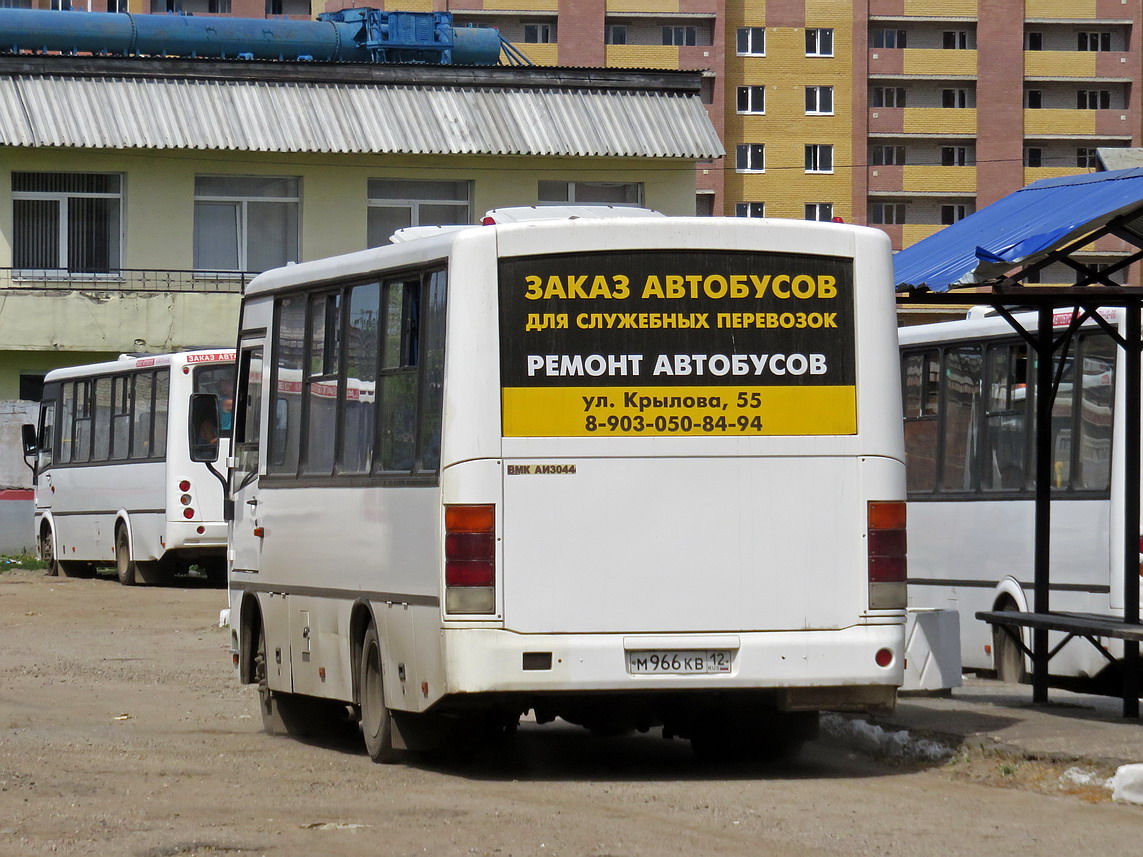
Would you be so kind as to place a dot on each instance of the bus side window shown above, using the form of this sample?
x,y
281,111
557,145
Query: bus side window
x,y
286,393
921,386
121,417
1005,442
961,408
81,448
67,409
1096,380
141,436
47,434
102,419
248,410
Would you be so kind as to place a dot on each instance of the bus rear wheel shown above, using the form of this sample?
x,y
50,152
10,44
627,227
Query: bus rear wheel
x,y
1007,659
132,572
376,720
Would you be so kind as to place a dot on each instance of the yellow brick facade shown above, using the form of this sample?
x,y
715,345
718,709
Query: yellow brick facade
x,y
938,8
642,56
1059,8
1058,121
621,6
1059,63
939,62
939,179
786,188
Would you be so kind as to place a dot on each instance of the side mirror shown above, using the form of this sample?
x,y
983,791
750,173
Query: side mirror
x,y
31,442
204,427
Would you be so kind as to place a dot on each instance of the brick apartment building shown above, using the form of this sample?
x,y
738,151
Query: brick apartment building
x,y
904,114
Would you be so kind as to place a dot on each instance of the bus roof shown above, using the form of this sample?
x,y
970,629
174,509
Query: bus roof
x,y
623,228
129,362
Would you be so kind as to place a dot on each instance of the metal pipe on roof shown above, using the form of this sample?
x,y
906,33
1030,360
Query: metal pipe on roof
x,y
352,35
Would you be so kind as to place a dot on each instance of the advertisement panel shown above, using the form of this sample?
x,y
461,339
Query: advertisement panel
x,y
677,342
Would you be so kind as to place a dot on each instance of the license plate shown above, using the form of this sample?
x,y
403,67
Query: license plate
x,y
679,663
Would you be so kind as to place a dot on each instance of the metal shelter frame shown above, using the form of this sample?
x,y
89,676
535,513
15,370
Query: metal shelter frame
x,y
1092,290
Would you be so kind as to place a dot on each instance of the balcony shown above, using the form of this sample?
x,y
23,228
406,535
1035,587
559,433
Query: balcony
x,y
546,53
127,280
643,56
1034,174
923,179
1078,64
932,120
938,61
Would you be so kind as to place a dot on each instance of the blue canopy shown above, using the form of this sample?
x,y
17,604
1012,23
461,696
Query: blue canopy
x,y
1019,229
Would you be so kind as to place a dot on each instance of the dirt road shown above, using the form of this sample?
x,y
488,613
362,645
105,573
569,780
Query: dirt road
x,y
123,732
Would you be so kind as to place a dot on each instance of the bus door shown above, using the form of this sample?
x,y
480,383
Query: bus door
x,y
245,528
46,436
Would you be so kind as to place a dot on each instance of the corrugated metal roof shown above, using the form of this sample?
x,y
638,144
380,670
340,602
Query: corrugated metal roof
x,y
1019,229
162,112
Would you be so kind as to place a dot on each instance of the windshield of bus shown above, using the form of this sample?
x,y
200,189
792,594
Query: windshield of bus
x,y
218,380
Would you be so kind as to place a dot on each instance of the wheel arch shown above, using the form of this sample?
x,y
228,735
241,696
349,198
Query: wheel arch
x,y
123,521
250,625
360,618
1010,589
47,526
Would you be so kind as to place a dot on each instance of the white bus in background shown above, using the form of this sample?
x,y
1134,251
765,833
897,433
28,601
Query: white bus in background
x,y
617,468
116,480
970,446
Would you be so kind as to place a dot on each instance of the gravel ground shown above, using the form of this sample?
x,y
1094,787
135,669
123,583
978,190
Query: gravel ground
x,y
123,732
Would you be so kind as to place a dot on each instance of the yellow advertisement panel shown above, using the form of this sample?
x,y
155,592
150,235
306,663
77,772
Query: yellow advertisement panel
x,y
677,343
651,411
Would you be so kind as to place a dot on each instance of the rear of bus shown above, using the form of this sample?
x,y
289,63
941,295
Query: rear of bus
x,y
674,485
196,529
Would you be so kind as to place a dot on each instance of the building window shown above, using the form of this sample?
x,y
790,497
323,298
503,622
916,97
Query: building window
x,y
1033,41
1033,156
397,203
883,156
888,96
1086,158
31,386
615,34
956,40
819,211
750,209
953,213
1093,99
819,158
1094,41
887,212
752,41
245,223
956,156
25,4
819,100
958,98
67,221
277,8
706,89
592,193
680,36
819,42
750,158
539,34
1034,99
888,39
704,204
751,99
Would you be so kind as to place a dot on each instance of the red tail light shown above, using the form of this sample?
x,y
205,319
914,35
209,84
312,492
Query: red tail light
x,y
470,559
887,544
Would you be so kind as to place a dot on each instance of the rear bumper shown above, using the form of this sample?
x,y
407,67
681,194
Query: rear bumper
x,y
493,661
184,535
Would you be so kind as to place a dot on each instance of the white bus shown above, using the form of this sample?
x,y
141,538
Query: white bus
x,y
970,445
625,470
116,476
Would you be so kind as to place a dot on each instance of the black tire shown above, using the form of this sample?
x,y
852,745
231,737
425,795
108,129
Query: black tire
x,y
376,720
48,553
125,568
132,572
1007,659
